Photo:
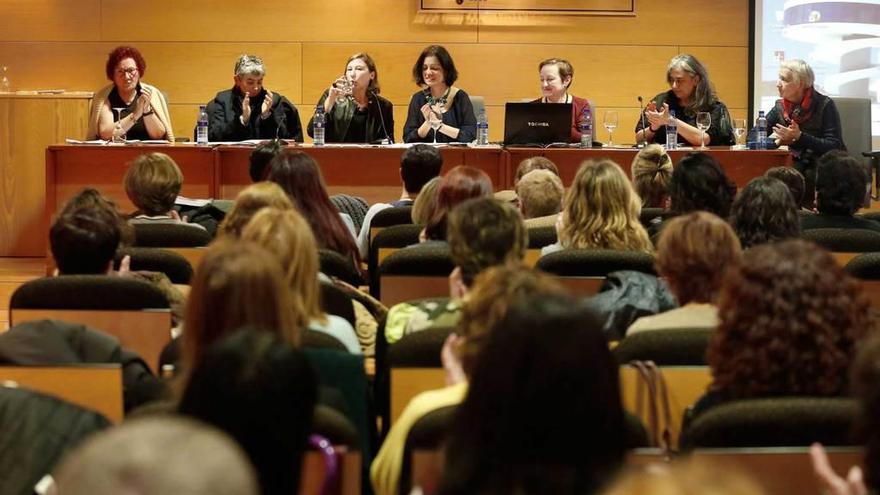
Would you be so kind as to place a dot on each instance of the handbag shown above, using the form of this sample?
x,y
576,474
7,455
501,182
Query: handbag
x,y
652,401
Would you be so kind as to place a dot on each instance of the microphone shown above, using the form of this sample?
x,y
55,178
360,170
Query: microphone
x,y
644,128
381,117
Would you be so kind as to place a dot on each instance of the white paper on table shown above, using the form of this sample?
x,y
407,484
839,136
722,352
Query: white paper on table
x,y
77,141
184,201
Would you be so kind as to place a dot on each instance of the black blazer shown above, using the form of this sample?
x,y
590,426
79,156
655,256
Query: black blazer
x,y
380,120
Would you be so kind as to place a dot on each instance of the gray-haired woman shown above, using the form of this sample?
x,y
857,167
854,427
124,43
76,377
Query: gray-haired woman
x,y
691,92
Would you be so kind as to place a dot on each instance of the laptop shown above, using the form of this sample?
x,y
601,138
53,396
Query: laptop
x,y
537,123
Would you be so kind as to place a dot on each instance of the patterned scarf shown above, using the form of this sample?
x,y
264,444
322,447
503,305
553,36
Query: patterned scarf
x,y
798,113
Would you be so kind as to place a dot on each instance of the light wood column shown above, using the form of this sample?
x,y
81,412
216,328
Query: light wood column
x,y
28,124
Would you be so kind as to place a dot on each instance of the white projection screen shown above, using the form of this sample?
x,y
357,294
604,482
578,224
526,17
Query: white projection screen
x,y
839,39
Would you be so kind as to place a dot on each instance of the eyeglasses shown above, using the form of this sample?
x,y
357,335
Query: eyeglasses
x,y
131,71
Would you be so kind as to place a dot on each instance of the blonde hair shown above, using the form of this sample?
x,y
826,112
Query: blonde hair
x,y
602,211
287,235
540,193
248,202
423,206
651,171
152,182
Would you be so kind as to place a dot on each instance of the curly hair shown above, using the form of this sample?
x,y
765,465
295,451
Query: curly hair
x,y
121,53
793,179
841,182
699,183
790,319
601,210
484,232
693,254
651,170
765,211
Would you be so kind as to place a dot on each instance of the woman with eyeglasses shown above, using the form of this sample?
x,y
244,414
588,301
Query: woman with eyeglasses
x,y
141,109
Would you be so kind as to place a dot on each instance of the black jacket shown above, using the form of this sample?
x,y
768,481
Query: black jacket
x,y
380,118
224,123
819,135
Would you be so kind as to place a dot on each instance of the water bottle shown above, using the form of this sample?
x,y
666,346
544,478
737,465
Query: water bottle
x,y
671,132
585,127
318,126
761,133
482,128
202,126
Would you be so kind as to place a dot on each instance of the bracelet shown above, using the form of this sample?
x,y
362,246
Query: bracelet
x,y
145,114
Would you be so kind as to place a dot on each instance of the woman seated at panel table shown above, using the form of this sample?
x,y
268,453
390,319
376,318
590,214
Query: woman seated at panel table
x,y
355,113
556,75
144,112
440,112
691,92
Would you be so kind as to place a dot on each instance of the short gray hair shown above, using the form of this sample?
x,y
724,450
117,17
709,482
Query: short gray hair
x,y
802,71
249,65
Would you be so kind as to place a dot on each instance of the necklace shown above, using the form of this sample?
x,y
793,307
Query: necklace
x,y
438,101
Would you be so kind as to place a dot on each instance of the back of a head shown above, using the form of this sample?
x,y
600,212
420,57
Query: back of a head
x,y
765,211
249,201
152,182
841,182
460,184
84,241
686,477
790,318
425,202
261,157
651,171
419,164
602,211
540,193
533,163
261,391
287,235
693,254
157,456
793,179
236,284
483,232
92,199
699,183
543,411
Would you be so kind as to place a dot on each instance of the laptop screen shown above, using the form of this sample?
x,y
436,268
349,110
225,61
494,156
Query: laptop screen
x,y
537,123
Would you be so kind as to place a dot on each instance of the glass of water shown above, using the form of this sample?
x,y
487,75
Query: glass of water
x,y
704,121
739,132
118,133
610,123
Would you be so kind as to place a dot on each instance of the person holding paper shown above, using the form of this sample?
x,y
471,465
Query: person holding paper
x,y
140,109
690,93
355,111
249,110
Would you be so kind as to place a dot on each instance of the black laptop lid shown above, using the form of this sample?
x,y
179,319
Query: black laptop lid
x,y
537,123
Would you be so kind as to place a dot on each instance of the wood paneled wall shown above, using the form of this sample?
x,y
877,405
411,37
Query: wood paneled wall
x,y
191,45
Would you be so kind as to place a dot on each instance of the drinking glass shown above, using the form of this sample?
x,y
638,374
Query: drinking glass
x,y
347,86
437,123
118,133
610,123
704,121
739,131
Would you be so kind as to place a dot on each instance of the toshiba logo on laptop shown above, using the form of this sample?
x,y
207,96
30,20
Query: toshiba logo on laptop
x,y
538,124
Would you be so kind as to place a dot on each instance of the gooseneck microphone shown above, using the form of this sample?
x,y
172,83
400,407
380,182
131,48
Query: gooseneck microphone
x,y
644,128
381,117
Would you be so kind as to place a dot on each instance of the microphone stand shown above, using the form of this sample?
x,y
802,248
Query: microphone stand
x,y
644,128
381,117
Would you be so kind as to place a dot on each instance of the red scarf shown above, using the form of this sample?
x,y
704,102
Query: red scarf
x,y
800,113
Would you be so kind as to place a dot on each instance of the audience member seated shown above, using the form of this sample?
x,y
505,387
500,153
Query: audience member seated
x,y
260,390
483,232
529,164
287,235
651,171
419,164
841,185
260,160
764,211
601,211
144,112
460,184
156,456
698,183
790,322
865,376
249,201
152,182
694,252
495,291
686,477
249,110
540,198
543,412
794,180
298,174
425,202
